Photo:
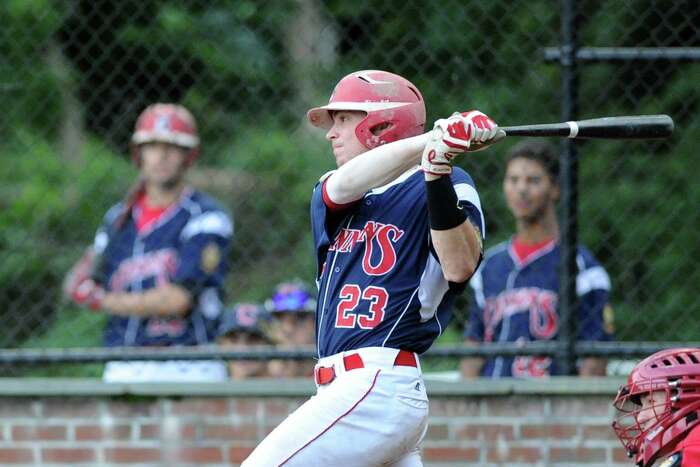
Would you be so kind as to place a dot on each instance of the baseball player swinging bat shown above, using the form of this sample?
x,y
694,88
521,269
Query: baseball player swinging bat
x,y
628,127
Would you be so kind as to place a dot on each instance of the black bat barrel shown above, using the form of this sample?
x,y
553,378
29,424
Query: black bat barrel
x,y
632,127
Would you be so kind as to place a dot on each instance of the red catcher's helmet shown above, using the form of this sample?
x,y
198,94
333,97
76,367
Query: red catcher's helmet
x,y
394,107
654,431
166,123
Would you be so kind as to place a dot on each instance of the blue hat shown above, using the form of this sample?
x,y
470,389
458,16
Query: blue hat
x,y
291,297
244,317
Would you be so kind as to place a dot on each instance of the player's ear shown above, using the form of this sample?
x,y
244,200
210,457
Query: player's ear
x,y
556,191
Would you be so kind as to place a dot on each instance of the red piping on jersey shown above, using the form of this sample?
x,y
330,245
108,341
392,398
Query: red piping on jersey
x,y
330,204
147,214
374,381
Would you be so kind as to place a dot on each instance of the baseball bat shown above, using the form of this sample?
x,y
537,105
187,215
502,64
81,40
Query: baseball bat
x,y
629,127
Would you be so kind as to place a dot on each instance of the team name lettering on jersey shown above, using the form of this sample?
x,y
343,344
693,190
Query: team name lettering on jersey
x,y
540,303
531,366
158,264
377,237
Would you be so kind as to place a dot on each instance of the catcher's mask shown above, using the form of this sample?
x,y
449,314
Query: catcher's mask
x,y
659,404
166,123
393,106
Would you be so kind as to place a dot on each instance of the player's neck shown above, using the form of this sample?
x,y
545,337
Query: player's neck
x,y
159,196
544,228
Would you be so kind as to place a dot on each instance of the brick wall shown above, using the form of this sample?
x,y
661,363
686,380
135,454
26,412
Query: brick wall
x,y
482,423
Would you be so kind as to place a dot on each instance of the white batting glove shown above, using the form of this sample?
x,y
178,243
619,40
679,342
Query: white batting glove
x,y
448,138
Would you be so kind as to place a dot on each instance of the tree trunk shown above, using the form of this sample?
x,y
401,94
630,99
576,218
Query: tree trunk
x,y
71,118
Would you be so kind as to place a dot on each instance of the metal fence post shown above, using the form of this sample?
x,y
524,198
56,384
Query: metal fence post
x,y
569,191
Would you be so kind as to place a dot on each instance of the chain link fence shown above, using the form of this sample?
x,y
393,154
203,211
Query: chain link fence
x,y
74,74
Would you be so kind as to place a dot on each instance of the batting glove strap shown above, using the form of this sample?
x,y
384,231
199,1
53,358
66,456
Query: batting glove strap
x,y
448,138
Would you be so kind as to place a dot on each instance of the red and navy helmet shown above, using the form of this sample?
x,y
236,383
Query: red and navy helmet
x,y
670,383
166,123
291,297
394,106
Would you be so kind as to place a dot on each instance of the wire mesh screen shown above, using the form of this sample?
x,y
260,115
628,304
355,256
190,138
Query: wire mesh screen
x,y
74,76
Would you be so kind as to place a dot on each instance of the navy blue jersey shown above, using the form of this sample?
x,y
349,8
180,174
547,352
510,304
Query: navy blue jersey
x,y
188,246
517,302
380,283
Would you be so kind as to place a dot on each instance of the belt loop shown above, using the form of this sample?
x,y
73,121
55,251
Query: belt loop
x,y
324,375
406,358
353,362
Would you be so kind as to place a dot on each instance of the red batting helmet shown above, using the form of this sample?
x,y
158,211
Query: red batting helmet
x,y
166,123
649,431
394,107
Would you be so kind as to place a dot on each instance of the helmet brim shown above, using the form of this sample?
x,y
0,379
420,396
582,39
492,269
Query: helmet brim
x,y
178,139
321,117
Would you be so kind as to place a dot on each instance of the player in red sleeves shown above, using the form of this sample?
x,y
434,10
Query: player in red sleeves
x,y
158,261
658,410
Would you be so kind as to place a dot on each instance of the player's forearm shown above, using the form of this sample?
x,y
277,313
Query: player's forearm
x,y
470,367
374,168
458,250
165,300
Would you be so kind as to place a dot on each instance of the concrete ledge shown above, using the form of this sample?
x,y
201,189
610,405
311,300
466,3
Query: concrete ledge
x,y
68,387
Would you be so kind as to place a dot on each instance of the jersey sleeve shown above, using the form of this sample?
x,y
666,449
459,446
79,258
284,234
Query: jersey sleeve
x,y
101,241
203,256
593,290
474,330
469,199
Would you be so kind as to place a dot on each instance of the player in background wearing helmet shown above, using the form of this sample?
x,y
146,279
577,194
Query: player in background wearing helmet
x,y
658,410
293,321
393,244
243,326
516,288
158,261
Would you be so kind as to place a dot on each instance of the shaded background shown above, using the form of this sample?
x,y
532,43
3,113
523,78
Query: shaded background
x,y
75,74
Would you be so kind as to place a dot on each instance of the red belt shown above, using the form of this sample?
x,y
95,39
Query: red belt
x,y
326,374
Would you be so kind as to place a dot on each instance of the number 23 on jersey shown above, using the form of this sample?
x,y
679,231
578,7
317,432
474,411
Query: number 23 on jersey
x,y
347,314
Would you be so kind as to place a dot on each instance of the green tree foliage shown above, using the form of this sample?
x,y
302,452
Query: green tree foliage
x,y
231,63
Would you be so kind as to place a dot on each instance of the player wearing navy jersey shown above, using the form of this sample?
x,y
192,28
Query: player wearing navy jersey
x,y
393,244
516,287
657,415
158,261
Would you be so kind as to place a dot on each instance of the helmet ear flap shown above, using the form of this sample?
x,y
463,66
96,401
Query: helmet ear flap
x,y
192,156
135,154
